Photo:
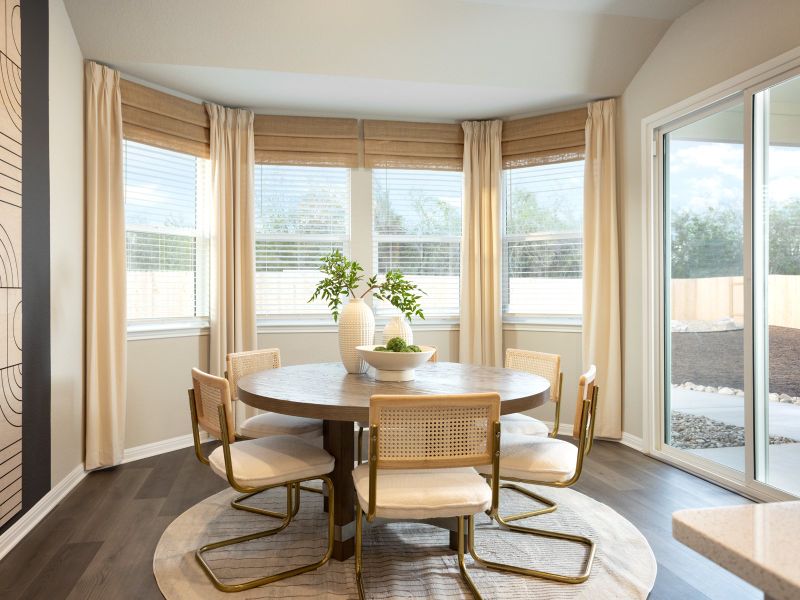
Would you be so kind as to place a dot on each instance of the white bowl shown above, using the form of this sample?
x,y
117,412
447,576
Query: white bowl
x,y
395,366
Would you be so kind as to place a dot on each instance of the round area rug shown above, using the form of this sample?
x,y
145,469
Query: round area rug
x,y
404,560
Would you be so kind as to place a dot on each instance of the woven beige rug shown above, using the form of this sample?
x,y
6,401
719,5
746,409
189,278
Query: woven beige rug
x,y
404,560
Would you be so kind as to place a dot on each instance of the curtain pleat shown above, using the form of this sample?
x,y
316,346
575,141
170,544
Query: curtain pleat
x,y
481,330
233,305
106,326
601,305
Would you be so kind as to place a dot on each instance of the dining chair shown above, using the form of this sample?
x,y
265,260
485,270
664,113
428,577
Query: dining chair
x,y
550,462
253,466
422,454
547,366
266,423
361,426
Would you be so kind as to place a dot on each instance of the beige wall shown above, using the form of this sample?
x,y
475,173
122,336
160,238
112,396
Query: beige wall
x,y
159,373
711,43
66,244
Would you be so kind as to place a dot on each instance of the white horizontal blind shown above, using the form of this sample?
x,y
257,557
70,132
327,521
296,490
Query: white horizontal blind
x,y
543,240
417,231
166,244
301,214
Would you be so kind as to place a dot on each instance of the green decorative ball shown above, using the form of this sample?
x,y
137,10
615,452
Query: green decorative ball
x,y
396,344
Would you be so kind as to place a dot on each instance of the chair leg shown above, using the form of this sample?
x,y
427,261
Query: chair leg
x,y
359,565
237,504
462,567
534,572
359,534
360,442
254,536
549,507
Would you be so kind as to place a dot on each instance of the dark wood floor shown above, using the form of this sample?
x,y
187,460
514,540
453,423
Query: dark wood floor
x,y
99,542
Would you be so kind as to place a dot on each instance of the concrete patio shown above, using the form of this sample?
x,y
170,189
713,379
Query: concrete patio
x,y
784,420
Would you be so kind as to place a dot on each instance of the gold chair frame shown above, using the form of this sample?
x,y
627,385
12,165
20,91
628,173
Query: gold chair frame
x,y
492,456
587,408
226,437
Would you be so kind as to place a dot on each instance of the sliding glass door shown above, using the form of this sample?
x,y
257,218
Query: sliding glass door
x,y
776,267
730,259
704,242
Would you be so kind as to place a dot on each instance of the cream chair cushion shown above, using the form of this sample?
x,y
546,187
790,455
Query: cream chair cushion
x,y
424,493
519,423
535,458
272,460
270,423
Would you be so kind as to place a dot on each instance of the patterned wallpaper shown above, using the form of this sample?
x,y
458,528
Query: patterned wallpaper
x,y
10,263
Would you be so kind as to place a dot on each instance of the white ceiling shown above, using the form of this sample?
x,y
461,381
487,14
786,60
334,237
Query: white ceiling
x,y
422,59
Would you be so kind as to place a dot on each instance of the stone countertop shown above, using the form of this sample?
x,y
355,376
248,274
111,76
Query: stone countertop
x,y
758,542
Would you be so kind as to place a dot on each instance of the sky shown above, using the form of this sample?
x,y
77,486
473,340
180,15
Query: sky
x,y
703,175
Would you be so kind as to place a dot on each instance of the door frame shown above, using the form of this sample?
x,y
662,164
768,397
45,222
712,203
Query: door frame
x,y
744,87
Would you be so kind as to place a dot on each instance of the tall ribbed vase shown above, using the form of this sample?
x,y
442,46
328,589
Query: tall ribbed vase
x,y
356,328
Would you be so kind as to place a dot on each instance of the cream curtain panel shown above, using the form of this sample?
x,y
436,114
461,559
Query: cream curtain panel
x,y
601,306
233,303
481,334
106,324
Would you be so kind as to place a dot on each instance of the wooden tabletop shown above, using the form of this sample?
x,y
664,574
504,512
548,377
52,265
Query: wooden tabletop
x,y
327,391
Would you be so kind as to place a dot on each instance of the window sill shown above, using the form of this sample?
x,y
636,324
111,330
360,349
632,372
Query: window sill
x,y
158,329
311,326
544,324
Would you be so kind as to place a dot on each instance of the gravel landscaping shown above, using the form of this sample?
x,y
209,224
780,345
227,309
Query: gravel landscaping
x,y
726,391
693,432
708,356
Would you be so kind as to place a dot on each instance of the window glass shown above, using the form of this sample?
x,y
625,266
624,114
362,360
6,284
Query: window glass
x,y
417,231
543,240
301,214
166,245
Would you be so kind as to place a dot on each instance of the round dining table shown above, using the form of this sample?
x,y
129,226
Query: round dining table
x,y
326,391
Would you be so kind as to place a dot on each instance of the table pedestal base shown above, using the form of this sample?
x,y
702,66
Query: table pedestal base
x,y
338,440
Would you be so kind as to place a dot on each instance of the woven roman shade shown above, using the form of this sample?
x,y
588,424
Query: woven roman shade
x,y
407,145
547,139
309,141
163,120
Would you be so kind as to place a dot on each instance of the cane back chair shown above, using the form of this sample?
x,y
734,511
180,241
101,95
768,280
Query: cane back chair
x,y
240,364
254,466
422,450
548,462
547,366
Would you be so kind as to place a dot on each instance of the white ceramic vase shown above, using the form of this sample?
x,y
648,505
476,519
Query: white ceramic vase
x,y
356,328
398,327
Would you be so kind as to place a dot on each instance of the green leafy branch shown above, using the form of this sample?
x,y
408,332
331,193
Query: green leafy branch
x,y
343,277
399,292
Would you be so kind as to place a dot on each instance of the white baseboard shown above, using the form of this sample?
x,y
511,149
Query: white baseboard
x,y
155,448
14,534
631,441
